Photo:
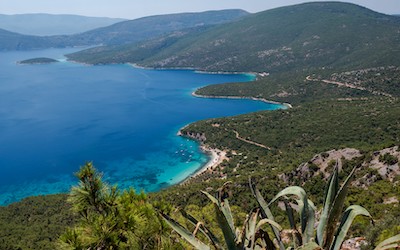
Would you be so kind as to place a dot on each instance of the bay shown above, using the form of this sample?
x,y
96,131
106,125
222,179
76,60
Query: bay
x,y
56,117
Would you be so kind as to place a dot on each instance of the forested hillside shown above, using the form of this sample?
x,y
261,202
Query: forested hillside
x,y
131,31
312,36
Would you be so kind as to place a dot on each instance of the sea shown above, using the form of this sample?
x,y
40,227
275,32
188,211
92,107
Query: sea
x,y
56,117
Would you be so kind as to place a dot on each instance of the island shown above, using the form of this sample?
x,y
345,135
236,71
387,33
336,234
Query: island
x,y
38,60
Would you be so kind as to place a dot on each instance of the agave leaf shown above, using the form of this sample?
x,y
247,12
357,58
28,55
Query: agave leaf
x,y
336,210
203,229
272,223
225,220
266,241
185,233
251,230
302,201
330,194
289,212
240,234
293,190
307,211
348,217
265,211
309,230
390,243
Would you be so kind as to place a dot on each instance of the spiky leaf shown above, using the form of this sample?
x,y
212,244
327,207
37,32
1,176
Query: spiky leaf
x,y
265,212
302,201
188,236
290,214
391,243
225,220
347,219
330,194
336,210
251,230
203,229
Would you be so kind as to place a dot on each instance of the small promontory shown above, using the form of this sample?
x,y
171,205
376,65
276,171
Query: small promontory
x,y
39,60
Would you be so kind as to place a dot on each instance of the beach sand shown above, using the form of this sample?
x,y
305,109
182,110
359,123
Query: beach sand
x,y
216,158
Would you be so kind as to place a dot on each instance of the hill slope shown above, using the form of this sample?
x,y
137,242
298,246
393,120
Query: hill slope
x,y
14,41
124,32
48,25
312,35
150,27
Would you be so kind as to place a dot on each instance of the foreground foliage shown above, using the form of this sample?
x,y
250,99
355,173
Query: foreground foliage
x,y
110,219
329,233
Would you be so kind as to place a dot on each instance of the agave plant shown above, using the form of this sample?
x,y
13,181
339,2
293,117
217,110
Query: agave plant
x,y
329,234
251,236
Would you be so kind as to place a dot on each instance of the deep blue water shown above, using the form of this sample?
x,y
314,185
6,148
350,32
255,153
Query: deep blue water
x,y
54,118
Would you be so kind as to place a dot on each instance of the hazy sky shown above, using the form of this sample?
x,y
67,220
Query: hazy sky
x,y
134,8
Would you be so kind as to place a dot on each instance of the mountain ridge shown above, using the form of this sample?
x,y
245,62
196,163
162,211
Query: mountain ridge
x,y
309,35
43,24
131,31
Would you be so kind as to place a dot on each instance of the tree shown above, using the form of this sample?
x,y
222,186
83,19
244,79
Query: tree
x,y
111,219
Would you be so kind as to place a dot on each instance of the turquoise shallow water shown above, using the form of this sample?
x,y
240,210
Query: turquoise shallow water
x,y
54,118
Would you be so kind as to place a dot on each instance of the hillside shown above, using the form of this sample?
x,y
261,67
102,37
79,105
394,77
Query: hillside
x,y
49,25
14,41
306,36
150,27
132,31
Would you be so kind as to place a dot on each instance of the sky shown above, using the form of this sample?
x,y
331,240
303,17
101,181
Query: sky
x,y
131,9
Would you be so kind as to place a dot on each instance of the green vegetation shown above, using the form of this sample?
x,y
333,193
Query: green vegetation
x,y
35,222
39,60
312,36
388,159
110,219
132,31
329,233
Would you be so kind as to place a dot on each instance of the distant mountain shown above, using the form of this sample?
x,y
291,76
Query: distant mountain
x,y
311,35
48,25
133,31
153,26
14,41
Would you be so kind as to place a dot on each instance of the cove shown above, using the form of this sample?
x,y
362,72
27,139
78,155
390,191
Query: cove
x,y
56,117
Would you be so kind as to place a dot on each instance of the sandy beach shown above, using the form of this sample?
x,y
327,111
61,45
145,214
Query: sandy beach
x,y
216,158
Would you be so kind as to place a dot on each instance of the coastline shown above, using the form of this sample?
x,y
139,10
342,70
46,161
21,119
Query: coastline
x,y
217,156
287,105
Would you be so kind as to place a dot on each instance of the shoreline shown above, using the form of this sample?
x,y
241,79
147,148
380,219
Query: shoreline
x,y
217,156
287,105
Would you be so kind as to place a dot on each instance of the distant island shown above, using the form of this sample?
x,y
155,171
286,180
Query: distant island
x,y
39,60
